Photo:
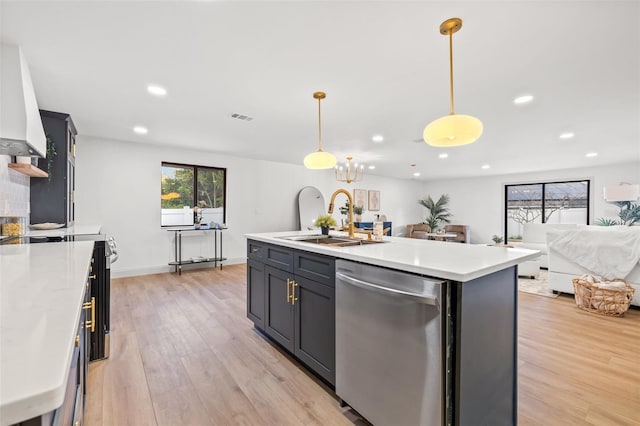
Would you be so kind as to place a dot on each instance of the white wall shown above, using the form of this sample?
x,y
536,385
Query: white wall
x,y
118,186
14,190
479,202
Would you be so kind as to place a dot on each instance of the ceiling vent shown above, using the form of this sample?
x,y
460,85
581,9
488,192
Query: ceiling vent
x,y
241,117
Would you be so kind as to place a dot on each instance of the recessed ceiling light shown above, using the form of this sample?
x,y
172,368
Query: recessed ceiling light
x,y
377,138
486,166
416,174
156,90
567,135
443,155
372,167
524,99
141,130
592,154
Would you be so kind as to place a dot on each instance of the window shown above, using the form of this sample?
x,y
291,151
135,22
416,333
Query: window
x,y
185,186
549,202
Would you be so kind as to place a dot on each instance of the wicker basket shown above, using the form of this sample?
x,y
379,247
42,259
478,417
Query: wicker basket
x,y
604,301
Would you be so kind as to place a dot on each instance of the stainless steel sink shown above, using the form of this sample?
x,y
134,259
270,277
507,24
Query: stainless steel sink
x,y
331,240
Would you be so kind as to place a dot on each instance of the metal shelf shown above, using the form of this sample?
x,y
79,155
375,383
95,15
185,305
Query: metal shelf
x,y
198,260
217,248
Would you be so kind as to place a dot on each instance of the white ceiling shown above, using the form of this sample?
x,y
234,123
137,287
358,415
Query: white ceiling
x,y
384,66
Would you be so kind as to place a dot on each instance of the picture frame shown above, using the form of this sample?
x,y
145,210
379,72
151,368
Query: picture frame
x,y
374,201
360,197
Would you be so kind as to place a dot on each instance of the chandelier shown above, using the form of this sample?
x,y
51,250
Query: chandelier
x,y
453,129
349,173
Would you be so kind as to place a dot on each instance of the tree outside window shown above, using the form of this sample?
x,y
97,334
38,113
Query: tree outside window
x,y
184,187
549,202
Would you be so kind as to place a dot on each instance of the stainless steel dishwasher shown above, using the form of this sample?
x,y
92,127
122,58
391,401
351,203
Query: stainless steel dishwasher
x,y
389,345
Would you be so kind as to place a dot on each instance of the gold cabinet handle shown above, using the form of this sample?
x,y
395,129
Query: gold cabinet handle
x,y
288,290
77,341
93,277
91,305
294,299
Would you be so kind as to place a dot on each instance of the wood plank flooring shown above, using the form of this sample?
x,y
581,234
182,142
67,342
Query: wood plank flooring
x,y
184,353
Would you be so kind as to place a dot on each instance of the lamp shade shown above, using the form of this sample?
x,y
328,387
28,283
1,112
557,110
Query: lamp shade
x,y
621,193
453,130
320,160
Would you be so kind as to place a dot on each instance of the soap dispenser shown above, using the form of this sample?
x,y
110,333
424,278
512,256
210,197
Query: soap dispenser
x,y
378,229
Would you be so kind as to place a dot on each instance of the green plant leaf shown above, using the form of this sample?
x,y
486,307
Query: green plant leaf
x,y
438,211
325,220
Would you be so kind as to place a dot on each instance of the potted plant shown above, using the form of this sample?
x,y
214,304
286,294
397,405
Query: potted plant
x,y
324,221
497,240
357,211
629,215
344,211
438,211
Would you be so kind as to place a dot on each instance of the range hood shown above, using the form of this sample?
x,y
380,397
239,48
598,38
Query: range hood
x,y
21,131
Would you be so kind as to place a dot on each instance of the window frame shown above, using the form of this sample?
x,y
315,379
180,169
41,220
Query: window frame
x,y
194,202
543,200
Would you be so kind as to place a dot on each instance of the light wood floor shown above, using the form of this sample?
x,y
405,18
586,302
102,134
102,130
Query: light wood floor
x,y
184,353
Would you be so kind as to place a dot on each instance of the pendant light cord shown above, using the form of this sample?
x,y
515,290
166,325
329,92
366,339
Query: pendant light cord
x,y
451,70
319,127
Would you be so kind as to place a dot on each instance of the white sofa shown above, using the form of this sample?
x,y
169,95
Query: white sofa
x,y
534,237
562,271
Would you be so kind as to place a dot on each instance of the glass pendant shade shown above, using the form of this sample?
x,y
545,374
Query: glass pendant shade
x,y
453,130
621,192
320,160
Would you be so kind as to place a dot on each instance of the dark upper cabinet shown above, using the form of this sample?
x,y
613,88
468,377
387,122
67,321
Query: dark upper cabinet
x,y
52,198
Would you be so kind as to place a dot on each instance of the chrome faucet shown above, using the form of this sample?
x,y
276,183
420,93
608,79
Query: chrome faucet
x,y
333,197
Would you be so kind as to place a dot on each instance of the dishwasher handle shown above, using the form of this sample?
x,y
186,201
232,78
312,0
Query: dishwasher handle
x,y
420,298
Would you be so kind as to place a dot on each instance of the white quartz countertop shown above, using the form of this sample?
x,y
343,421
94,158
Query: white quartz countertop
x,y
41,290
452,261
62,232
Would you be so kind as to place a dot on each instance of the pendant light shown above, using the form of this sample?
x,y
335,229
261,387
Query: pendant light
x,y
320,159
453,129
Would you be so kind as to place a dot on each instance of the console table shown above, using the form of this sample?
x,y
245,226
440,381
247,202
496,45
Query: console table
x,y
369,225
177,247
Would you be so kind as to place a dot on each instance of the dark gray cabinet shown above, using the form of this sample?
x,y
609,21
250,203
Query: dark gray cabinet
x,y
279,307
255,292
298,293
52,198
315,324
71,412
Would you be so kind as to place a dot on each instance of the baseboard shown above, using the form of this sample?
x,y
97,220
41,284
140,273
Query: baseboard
x,y
163,269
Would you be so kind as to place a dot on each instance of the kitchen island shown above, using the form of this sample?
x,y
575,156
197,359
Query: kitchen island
x,y
43,290
471,369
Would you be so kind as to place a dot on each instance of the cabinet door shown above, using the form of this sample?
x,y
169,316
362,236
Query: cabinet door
x,y
279,311
255,292
315,329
